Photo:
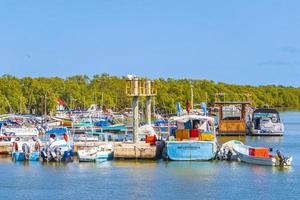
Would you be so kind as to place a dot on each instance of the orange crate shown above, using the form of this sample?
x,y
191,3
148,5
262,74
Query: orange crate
x,y
259,152
151,139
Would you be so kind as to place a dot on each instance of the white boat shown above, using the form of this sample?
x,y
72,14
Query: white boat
x,y
59,146
19,125
243,153
100,153
265,122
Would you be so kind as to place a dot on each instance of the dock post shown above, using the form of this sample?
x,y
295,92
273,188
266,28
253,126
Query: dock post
x,y
135,107
148,109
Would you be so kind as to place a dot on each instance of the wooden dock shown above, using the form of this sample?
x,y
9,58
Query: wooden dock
x,y
122,150
139,150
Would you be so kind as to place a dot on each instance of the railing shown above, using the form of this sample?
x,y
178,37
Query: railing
x,y
137,87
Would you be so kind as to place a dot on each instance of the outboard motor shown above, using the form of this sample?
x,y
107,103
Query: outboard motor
x,y
282,160
26,150
44,154
56,154
229,155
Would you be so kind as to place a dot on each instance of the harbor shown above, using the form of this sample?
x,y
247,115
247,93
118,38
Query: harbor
x,y
191,135
154,100
157,179
207,146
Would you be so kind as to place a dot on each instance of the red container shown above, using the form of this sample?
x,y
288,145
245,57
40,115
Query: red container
x,y
150,139
194,133
259,152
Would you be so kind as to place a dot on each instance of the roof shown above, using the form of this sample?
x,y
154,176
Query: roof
x,y
232,102
265,110
60,102
57,131
191,117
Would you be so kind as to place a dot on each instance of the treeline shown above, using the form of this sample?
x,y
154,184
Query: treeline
x,y
35,95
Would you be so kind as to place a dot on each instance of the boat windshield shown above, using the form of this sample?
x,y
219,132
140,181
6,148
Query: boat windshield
x,y
232,112
265,115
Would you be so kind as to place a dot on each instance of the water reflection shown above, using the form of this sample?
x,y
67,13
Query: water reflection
x,y
268,139
223,139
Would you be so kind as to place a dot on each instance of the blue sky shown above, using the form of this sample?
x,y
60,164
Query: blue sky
x,y
234,41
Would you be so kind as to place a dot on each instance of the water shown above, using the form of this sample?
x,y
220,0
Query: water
x,y
159,179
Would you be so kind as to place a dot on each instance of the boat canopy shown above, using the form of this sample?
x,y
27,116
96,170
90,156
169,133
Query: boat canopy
x,y
233,103
58,131
265,110
185,118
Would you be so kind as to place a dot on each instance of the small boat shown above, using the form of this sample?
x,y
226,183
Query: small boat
x,y
266,121
258,155
25,149
58,146
99,154
193,139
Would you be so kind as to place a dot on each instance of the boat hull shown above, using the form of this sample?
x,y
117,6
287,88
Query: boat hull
x,y
256,132
20,156
98,157
190,150
257,160
66,156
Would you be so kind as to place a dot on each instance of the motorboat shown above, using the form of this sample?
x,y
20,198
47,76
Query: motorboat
x,y
255,155
25,149
266,121
192,139
99,153
59,145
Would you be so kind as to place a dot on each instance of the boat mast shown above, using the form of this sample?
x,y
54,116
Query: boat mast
x,y
192,96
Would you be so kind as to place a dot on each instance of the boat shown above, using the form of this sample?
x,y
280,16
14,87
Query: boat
x,y
192,139
266,122
99,154
58,146
258,155
25,149
232,118
19,125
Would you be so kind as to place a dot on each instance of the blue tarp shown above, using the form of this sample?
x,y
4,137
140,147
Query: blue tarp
x,y
161,122
102,123
61,130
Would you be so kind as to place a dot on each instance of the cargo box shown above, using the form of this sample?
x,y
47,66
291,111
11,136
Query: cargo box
x,y
178,134
194,133
206,136
186,134
150,139
259,152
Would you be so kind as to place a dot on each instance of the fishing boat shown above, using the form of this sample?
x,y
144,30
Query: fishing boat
x,y
193,138
99,153
266,121
58,146
258,155
25,149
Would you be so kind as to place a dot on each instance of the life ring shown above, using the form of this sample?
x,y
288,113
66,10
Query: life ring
x,y
37,146
15,146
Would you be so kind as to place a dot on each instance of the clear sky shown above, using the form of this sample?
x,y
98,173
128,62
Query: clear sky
x,y
234,41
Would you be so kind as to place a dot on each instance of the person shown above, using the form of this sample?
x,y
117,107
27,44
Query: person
x,y
197,125
66,138
51,139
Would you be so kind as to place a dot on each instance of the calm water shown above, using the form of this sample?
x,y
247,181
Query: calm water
x,y
160,180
